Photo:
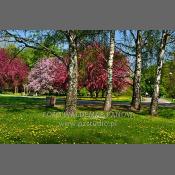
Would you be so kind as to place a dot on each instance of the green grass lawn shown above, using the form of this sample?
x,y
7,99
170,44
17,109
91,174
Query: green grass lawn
x,y
115,98
26,120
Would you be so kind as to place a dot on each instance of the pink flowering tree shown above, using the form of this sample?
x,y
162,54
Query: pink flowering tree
x,y
4,60
13,71
93,61
48,76
17,72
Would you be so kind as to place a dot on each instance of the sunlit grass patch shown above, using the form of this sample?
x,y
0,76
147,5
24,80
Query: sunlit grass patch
x,y
37,124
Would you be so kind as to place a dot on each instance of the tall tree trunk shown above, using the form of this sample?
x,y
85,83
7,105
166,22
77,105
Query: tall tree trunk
x,y
16,89
155,96
71,98
108,99
136,97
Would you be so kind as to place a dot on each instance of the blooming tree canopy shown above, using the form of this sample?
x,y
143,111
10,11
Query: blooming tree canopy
x,y
4,59
48,76
93,69
17,72
13,71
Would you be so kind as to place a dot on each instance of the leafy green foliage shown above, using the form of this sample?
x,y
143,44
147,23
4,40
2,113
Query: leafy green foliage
x,y
147,82
168,78
83,92
167,86
31,55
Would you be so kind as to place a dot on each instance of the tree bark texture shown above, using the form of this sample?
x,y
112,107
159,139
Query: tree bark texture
x,y
155,96
108,99
71,98
136,97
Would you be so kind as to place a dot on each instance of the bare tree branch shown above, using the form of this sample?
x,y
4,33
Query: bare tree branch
x,y
38,46
133,36
125,52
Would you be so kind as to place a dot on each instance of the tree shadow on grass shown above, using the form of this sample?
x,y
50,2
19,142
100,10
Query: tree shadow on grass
x,y
99,107
35,104
90,108
26,100
144,111
121,107
4,100
23,108
167,112
163,112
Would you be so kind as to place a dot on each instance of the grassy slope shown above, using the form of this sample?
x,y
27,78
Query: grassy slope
x,y
27,123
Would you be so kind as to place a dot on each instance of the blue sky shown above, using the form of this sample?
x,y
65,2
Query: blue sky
x,y
22,33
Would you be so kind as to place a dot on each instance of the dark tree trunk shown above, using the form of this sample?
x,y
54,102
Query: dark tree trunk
x,y
103,93
23,91
155,96
108,99
71,98
91,94
96,94
50,101
136,97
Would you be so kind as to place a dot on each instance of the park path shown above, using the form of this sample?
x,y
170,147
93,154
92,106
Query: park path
x,y
161,100
146,102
